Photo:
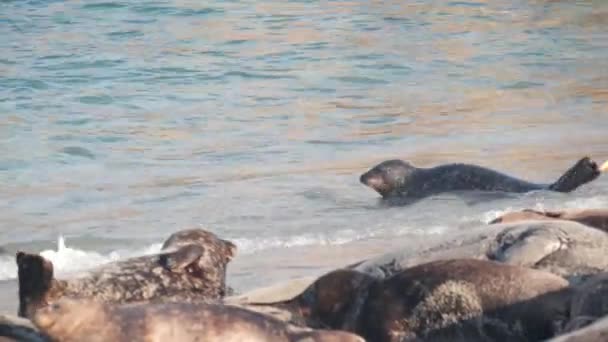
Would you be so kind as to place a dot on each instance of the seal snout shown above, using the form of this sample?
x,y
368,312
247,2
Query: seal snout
x,y
371,179
43,317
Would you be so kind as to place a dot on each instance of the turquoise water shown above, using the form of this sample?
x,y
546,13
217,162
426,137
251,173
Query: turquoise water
x,y
121,122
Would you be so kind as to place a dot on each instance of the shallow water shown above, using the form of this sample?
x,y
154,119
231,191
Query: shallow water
x,y
121,122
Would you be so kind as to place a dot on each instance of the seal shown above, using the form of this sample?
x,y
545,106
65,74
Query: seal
x,y
451,300
597,218
594,332
71,320
402,182
568,249
589,302
17,329
191,266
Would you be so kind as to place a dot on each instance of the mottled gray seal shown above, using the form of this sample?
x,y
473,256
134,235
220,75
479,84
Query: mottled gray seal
x,y
69,320
568,249
451,300
401,182
190,267
597,218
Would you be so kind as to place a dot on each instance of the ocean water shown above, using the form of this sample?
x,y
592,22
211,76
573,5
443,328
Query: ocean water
x,y
122,122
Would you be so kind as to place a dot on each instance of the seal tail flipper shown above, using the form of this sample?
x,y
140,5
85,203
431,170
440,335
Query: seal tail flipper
x,y
185,256
584,171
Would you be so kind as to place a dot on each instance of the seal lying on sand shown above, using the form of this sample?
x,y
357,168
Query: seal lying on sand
x,y
70,320
401,181
597,218
446,300
190,267
565,248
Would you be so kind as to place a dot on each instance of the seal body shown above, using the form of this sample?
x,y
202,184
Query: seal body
x,y
597,218
596,332
70,320
190,267
445,300
589,302
402,182
465,300
568,249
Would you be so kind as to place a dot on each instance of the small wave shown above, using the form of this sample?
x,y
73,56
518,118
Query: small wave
x,y
339,237
586,203
247,246
68,260
491,215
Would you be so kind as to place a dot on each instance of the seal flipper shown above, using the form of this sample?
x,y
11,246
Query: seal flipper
x,y
183,257
35,279
584,171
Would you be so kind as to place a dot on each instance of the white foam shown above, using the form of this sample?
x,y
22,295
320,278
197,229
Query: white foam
x,y
491,215
67,260
586,203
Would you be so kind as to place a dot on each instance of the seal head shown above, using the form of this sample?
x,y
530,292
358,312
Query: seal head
x,y
388,176
334,300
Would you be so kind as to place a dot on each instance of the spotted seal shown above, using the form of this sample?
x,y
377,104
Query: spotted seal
x,y
401,182
445,300
190,267
597,217
69,320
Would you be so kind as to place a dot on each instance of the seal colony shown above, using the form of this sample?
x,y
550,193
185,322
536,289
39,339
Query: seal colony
x,y
525,276
460,299
399,180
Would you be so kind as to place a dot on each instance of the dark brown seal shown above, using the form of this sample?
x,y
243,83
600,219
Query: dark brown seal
x,y
589,302
402,182
190,267
596,332
69,320
597,218
445,300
